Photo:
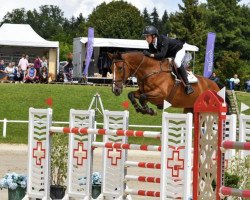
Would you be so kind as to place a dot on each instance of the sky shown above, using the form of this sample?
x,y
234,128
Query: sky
x,y
75,7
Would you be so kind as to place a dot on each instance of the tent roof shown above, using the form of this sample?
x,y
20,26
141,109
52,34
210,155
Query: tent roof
x,y
123,43
22,35
126,43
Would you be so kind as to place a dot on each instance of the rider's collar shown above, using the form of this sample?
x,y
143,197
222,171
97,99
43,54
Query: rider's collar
x,y
155,43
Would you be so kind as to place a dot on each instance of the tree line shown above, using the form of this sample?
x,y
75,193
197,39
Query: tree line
x,y
119,19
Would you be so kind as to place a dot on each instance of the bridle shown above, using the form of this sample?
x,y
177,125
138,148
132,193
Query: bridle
x,y
123,80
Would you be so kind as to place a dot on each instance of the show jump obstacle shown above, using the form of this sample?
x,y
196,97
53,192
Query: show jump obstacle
x,y
209,129
175,150
175,182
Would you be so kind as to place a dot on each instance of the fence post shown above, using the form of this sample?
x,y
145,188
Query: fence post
x,y
4,127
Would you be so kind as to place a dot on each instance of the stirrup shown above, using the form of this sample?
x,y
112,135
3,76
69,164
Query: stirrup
x,y
188,89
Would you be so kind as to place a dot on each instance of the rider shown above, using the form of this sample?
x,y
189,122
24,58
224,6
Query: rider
x,y
161,46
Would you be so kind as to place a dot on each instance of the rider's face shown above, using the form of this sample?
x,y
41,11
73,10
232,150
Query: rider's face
x,y
149,38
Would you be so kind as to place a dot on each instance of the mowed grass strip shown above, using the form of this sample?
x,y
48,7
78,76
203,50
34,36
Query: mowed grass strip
x,y
16,99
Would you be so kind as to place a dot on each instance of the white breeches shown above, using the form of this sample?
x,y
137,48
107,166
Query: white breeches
x,y
179,56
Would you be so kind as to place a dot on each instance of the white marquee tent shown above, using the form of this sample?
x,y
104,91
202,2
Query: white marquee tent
x,y
126,43
79,49
23,35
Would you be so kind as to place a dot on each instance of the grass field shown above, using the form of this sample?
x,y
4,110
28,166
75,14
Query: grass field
x,y
16,99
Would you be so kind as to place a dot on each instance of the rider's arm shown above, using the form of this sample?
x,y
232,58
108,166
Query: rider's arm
x,y
163,51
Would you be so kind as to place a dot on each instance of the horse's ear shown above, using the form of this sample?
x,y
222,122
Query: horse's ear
x,y
110,55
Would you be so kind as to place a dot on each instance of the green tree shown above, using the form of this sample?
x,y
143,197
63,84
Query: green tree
x,y
189,26
49,19
117,19
16,16
165,26
229,20
146,16
155,18
230,64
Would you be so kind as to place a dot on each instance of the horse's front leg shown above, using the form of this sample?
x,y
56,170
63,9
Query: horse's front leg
x,y
145,109
132,97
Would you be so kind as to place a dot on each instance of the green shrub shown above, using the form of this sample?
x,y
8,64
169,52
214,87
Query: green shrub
x,y
59,157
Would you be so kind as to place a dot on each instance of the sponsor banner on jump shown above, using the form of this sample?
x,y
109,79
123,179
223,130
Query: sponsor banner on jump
x,y
89,50
209,57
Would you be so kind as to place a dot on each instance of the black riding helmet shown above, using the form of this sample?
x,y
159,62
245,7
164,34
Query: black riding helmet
x,y
150,30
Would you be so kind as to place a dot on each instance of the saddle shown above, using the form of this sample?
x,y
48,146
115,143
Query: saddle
x,y
191,77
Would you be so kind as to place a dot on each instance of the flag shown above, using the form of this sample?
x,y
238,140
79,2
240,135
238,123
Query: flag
x,y
166,105
49,102
89,49
243,107
222,93
125,104
209,57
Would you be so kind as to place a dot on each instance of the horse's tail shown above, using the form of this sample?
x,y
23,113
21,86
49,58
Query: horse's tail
x,y
229,105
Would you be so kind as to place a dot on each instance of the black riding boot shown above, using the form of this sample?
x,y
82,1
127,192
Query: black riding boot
x,y
183,73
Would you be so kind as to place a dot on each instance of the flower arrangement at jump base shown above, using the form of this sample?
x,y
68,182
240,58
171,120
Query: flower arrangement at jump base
x,y
96,183
96,179
13,181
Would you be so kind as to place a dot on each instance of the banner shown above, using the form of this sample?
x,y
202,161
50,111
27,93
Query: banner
x,y
209,57
89,50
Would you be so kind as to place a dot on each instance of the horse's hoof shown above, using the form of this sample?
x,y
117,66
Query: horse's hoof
x,y
152,112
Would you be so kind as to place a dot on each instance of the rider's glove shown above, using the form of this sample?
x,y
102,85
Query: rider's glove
x,y
146,53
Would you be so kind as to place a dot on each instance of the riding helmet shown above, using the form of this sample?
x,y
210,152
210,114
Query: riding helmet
x,y
150,30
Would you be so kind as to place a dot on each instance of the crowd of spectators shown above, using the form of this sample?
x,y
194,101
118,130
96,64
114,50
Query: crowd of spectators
x,y
233,83
25,71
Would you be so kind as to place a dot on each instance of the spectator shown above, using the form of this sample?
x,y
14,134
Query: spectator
x,y
234,83
43,77
60,76
23,63
10,72
68,67
3,75
31,74
44,62
17,72
247,85
214,78
27,58
37,64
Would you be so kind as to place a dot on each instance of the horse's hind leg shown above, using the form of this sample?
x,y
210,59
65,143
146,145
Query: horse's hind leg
x,y
131,97
145,108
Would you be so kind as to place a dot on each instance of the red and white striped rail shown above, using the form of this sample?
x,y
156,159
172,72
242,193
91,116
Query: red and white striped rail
x,y
127,146
235,145
227,191
143,193
148,179
143,165
129,133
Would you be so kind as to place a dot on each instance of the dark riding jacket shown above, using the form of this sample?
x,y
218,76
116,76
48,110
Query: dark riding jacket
x,y
166,47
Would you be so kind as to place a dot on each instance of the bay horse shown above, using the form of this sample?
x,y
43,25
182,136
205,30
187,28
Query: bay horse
x,y
156,82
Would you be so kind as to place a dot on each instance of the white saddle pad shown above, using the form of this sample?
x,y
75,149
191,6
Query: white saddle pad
x,y
191,77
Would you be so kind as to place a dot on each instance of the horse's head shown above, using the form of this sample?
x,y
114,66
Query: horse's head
x,y
121,72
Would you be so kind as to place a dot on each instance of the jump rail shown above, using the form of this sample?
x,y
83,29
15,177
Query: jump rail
x,y
86,131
